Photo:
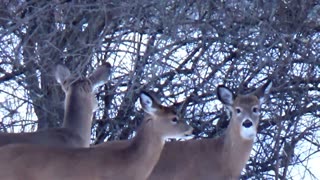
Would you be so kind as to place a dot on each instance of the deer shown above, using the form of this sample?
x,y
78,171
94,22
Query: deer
x,y
132,160
79,104
221,158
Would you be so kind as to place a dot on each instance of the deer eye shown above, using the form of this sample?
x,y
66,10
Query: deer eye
x,y
238,110
255,110
175,120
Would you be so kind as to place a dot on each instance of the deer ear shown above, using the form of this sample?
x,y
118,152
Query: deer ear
x,y
263,91
62,73
148,103
101,75
225,95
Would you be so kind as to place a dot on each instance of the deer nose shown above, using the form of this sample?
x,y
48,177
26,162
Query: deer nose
x,y
247,123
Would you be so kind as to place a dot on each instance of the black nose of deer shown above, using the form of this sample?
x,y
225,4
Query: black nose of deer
x,y
247,123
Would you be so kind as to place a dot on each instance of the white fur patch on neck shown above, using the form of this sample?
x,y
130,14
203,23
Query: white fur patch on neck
x,y
248,133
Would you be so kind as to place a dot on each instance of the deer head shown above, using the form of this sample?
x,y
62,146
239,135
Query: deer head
x,y
167,122
245,109
80,100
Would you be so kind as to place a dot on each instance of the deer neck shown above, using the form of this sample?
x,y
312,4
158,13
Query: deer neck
x,y
78,116
145,149
236,150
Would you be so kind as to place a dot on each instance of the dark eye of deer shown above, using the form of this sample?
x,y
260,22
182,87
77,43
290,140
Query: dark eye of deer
x,y
255,110
238,110
175,120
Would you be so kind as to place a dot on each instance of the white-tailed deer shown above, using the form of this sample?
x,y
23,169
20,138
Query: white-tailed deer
x,y
222,158
79,106
134,160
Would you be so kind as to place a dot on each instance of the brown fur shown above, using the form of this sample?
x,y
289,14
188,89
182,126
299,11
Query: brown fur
x,y
222,158
133,160
79,106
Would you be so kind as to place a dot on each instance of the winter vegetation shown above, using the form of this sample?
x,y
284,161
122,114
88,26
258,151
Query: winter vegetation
x,y
182,50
